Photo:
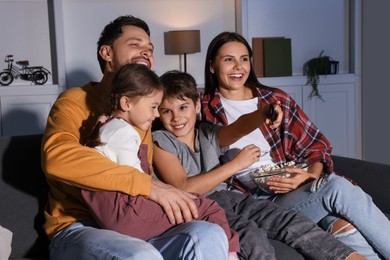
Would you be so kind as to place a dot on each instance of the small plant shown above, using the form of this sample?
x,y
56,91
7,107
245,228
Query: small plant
x,y
321,65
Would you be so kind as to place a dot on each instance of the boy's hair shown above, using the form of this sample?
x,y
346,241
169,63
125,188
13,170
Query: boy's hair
x,y
133,81
179,85
113,31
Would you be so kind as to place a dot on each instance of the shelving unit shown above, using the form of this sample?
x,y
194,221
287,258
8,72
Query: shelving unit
x,y
307,23
24,107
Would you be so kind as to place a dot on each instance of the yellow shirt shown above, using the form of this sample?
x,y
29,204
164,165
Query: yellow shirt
x,y
70,166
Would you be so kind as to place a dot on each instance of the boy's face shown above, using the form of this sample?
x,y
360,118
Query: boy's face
x,y
179,116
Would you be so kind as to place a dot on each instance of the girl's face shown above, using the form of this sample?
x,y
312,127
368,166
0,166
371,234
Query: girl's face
x,y
231,66
142,111
179,117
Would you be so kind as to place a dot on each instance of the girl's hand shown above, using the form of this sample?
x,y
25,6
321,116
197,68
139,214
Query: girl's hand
x,y
284,185
246,157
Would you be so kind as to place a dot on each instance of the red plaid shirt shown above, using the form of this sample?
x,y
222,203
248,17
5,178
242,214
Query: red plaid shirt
x,y
297,138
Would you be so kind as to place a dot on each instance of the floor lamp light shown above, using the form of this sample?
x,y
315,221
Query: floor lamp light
x,y
182,42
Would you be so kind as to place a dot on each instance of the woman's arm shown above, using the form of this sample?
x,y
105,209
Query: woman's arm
x,y
300,177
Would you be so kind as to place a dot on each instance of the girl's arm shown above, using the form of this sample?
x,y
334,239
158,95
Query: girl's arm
x,y
249,122
171,171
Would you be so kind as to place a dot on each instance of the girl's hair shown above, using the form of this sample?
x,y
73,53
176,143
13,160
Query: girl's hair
x,y
133,81
211,81
114,30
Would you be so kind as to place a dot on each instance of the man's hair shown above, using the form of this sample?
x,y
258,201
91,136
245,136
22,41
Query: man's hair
x,y
113,31
179,85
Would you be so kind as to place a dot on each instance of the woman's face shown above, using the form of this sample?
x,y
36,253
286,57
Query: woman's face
x,y
231,66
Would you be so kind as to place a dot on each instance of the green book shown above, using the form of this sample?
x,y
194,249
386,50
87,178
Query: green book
x,y
277,57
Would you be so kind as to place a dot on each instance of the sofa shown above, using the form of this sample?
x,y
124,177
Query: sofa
x,y
23,194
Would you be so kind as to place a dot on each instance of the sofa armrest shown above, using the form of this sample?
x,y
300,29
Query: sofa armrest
x,y
373,178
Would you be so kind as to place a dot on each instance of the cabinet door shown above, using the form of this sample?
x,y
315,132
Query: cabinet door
x,y
335,116
295,92
24,115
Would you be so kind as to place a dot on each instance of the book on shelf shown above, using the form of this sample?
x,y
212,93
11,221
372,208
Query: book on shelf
x,y
272,56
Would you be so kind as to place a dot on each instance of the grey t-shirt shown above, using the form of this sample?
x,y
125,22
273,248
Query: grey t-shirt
x,y
206,154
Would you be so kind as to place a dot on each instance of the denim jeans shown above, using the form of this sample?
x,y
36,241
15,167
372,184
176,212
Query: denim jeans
x,y
192,240
256,221
334,195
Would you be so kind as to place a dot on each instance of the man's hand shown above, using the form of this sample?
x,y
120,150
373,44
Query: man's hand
x,y
178,205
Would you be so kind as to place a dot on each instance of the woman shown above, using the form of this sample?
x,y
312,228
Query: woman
x,y
232,89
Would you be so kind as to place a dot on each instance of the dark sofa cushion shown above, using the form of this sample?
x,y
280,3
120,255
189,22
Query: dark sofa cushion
x,y
373,178
23,193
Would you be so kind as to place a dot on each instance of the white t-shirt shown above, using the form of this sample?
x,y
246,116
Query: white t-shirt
x,y
234,109
120,143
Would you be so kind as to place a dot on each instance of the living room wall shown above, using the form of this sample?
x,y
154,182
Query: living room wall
x,y
375,80
83,21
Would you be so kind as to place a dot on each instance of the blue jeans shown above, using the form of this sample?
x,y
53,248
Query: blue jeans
x,y
192,240
332,196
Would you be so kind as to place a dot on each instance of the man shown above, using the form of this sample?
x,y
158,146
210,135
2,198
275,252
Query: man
x,y
69,167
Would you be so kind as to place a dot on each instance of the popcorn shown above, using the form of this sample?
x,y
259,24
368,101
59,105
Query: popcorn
x,y
263,173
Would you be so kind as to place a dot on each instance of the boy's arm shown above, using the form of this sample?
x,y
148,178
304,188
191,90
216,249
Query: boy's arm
x,y
249,122
174,173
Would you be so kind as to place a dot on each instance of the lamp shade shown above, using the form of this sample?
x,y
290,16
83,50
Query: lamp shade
x,y
182,42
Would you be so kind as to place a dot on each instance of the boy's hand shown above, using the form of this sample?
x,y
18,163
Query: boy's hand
x,y
246,157
274,115
178,205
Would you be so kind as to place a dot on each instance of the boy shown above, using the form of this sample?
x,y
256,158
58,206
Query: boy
x,y
193,152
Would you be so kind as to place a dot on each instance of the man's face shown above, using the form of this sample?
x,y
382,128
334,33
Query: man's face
x,y
133,46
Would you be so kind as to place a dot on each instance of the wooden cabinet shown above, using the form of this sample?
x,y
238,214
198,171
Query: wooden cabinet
x,y
24,109
335,116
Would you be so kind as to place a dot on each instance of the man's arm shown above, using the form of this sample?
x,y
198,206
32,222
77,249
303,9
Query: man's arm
x,y
65,159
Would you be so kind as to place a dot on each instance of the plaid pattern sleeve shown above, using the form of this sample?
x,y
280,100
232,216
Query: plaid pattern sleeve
x,y
296,138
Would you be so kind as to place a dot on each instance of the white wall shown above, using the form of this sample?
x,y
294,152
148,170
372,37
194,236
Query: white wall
x,y
85,19
312,25
24,33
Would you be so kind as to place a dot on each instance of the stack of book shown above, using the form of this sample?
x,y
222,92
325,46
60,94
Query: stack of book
x,y
272,56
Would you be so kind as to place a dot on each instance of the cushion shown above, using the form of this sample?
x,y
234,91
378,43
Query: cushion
x,y
5,243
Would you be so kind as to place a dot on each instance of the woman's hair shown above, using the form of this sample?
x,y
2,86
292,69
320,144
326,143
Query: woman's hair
x,y
179,85
114,30
211,81
133,81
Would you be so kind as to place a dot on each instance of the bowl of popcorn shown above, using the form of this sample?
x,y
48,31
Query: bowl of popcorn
x,y
262,174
